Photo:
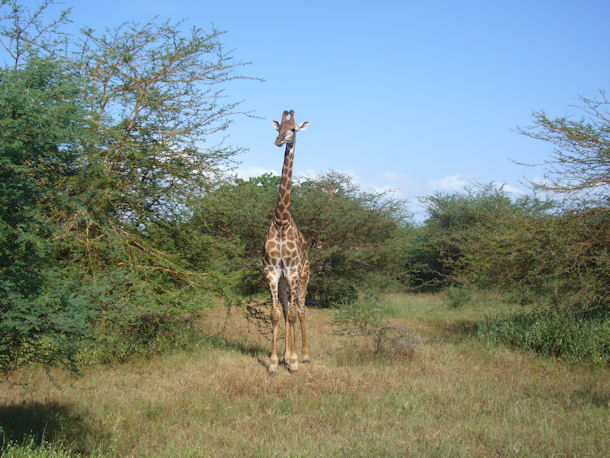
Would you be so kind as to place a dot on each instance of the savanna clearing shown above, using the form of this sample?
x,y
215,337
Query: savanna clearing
x,y
443,393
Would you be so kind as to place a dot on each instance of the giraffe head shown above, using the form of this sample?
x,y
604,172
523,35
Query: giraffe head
x,y
287,128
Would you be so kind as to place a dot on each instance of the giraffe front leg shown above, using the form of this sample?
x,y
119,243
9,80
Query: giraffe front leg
x,y
293,360
284,296
272,280
303,338
275,320
288,340
302,296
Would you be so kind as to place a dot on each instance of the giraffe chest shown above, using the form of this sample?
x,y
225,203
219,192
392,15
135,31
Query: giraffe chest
x,y
284,249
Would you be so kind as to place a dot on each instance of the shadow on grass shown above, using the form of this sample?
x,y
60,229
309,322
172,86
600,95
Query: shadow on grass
x,y
49,422
458,331
596,399
242,346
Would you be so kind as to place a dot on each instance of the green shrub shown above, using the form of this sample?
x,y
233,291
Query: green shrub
x,y
362,317
145,336
569,335
250,282
522,295
382,282
329,292
367,317
458,296
557,258
30,448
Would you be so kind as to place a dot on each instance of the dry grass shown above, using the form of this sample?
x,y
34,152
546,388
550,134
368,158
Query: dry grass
x,y
451,396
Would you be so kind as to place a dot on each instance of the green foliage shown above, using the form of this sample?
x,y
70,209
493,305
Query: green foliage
x,y
569,335
579,167
351,233
458,296
143,336
522,295
367,316
40,124
31,448
99,163
435,252
151,157
236,217
25,28
362,317
562,258
536,251
481,238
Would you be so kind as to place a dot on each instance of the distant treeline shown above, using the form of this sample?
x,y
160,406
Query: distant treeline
x,y
478,238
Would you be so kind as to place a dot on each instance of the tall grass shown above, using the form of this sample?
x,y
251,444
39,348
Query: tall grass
x,y
33,448
572,336
453,395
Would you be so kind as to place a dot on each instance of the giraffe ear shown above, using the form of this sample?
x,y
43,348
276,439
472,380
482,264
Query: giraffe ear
x,y
276,125
301,126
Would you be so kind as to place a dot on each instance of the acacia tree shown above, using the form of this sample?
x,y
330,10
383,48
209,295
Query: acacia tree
x,y
156,102
434,257
353,234
23,29
157,113
579,167
41,128
144,141
575,251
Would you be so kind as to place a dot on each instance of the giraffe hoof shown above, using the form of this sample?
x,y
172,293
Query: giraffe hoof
x,y
306,359
272,366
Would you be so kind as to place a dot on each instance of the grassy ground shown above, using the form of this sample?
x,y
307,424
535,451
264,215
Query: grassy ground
x,y
451,395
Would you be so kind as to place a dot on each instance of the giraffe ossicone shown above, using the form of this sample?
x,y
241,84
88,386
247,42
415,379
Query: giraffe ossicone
x,y
285,260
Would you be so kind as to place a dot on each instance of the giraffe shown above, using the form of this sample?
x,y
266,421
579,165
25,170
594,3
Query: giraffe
x,y
285,260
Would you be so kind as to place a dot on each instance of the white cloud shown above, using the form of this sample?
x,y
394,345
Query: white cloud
x,y
511,189
393,176
456,183
354,177
389,190
253,171
451,183
540,181
307,174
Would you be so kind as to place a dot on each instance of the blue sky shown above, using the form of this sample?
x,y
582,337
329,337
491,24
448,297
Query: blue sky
x,y
414,96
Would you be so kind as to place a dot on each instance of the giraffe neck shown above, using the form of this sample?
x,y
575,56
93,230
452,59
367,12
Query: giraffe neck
x,y
282,210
